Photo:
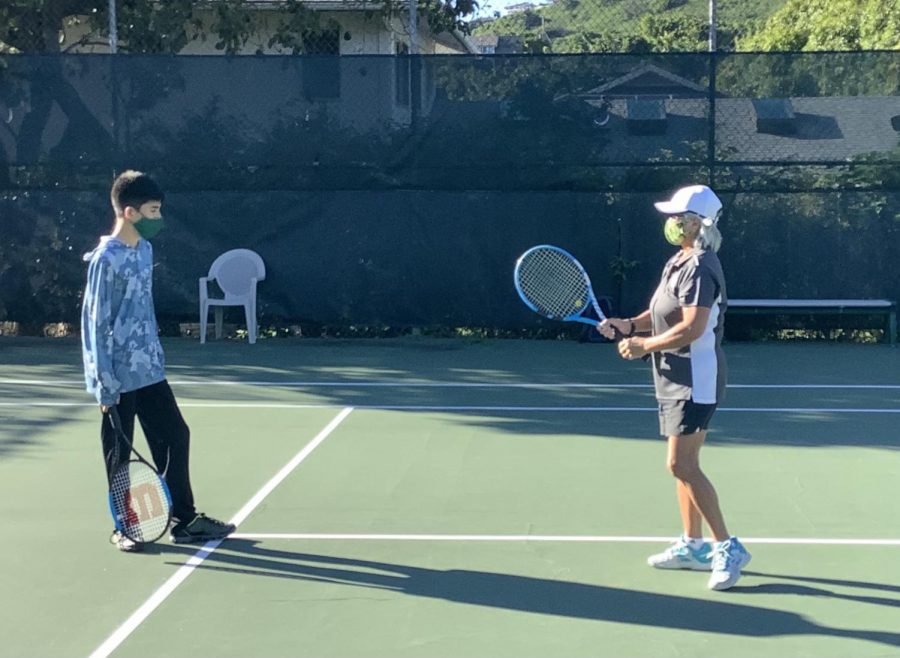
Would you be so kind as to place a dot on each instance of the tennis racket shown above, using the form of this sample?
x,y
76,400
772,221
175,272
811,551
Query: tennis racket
x,y
552,283
139,499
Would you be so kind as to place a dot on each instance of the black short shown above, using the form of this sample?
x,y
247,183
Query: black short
x,y
679,417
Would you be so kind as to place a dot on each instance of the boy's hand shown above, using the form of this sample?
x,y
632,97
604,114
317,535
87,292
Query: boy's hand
x,y
105,407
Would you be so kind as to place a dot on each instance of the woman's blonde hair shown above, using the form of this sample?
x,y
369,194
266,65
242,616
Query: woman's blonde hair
x,y
709,237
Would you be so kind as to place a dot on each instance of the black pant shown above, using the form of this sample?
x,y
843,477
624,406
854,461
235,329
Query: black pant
x,y
167,435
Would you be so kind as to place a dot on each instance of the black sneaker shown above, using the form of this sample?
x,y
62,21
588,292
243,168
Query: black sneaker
x,y
125,544
200,529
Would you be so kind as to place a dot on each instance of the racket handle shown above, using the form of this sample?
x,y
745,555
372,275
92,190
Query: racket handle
x,y
115,420
115,455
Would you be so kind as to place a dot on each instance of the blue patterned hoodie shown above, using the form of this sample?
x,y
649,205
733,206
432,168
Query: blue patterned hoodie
x,y
119,336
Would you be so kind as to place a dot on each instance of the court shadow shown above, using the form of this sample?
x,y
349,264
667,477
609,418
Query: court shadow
x,y
506,386
804,590
884,587
526,594
807,590
24,432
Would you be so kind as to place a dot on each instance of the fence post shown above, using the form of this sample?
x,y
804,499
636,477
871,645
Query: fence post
x,y
113,33
413,28
114,82
711,149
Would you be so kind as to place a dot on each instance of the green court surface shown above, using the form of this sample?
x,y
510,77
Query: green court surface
x,y
429,497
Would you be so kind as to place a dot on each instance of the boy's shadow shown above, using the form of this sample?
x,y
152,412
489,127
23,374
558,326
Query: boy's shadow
x,y
536,595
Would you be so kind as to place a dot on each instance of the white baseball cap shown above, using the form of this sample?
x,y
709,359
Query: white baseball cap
x,y
697,199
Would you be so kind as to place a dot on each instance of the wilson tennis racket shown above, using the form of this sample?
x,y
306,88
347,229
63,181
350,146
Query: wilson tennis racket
x,y
139,499
552,283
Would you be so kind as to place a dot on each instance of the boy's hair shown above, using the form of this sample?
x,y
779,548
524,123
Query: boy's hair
x,y
133,188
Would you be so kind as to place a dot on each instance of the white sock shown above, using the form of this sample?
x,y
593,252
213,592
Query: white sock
x,y
694,542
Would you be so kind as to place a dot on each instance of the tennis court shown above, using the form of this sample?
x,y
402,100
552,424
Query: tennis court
x,y
436,497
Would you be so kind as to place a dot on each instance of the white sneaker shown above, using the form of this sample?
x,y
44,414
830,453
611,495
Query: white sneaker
x,y
728,558
680,555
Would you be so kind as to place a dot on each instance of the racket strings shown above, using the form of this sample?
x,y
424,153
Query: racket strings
x,y
140,501
553,283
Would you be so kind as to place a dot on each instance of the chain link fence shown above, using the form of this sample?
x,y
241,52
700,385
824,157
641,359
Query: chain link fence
x,y
243,27
325,27
593,26
400,190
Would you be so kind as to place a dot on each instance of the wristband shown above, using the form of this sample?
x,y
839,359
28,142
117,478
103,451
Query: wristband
x,y
631,331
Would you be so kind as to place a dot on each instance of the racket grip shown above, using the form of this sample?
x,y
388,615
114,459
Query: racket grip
x,y
114,419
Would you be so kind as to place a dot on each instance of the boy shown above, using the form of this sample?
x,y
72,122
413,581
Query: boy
x,y
124,364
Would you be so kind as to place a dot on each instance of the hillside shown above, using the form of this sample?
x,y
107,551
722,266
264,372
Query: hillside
x,y
628,25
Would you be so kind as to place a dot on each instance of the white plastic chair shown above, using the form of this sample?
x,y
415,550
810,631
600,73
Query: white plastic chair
x,y
236,272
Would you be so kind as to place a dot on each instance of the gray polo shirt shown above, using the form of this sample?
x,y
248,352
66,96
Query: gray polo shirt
x,y
697,371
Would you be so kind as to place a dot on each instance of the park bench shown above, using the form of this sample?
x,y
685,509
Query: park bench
x,y
819,307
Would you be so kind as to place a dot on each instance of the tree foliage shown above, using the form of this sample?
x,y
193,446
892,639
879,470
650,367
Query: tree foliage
x,y
673,33
811,25
149,26
681,25
581,26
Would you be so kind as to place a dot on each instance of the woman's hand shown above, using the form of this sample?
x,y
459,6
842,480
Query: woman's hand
x,y
632,348
609,327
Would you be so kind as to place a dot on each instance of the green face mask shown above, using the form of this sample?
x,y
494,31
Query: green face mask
x,y
149,228
674,231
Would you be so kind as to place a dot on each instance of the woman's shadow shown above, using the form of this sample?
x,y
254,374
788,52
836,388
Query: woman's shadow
x,y
535,595
793,587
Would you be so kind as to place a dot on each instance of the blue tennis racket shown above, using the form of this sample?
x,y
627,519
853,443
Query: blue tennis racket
x,y
552,283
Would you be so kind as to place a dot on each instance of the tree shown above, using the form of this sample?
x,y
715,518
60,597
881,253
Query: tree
x,y
810,25
673,32
149,26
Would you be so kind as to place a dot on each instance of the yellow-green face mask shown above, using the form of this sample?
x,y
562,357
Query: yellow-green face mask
x,y
674,231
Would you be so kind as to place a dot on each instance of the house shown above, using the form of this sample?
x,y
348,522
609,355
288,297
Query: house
x,y
347,27
363,91
807,129
652,114
519,7
495,44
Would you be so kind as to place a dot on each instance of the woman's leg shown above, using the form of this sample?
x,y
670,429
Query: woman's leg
x,y
696,494
691,519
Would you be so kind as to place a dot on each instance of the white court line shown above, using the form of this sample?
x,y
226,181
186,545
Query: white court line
x,y
448,408
550,538
439,384
160,595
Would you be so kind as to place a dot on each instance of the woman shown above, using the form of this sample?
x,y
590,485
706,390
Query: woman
x,y
685,323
